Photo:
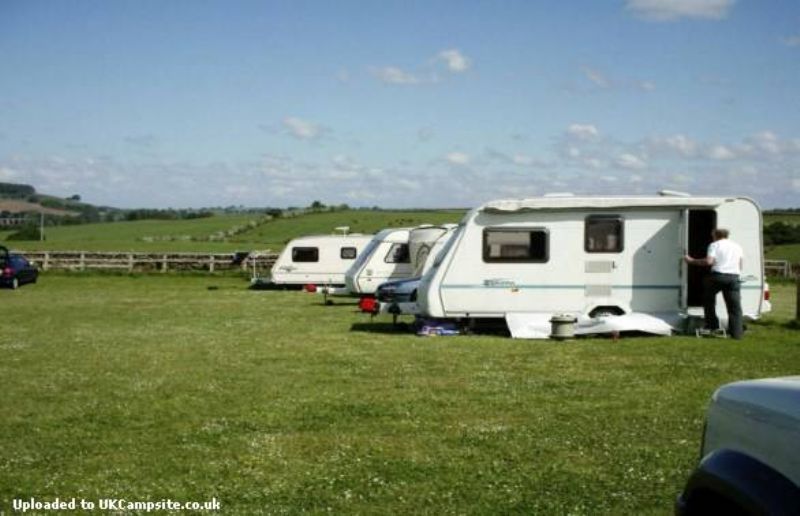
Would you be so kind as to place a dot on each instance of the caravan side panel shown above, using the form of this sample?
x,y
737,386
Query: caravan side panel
x,y
641,276
317,260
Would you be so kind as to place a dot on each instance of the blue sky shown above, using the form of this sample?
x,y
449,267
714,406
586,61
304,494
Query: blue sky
x,y
399,104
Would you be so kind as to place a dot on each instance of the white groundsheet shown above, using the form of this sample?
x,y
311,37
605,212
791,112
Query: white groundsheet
x,y
526,325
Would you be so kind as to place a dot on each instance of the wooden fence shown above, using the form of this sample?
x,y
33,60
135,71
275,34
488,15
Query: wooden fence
x,y
151,262
255,262
780,268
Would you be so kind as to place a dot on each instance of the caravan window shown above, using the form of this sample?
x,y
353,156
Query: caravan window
x,y
506,245
603,234
398,254
305,254
348,253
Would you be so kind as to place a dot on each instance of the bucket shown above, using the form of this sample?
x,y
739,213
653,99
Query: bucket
x,y
562,326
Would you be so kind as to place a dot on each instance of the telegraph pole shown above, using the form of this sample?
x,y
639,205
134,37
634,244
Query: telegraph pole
x,y
41,226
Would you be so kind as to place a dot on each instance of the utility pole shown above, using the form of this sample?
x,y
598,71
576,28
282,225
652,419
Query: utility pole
x,y
41,226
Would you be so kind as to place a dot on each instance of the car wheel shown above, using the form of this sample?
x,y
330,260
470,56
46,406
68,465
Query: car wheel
x,y
15,283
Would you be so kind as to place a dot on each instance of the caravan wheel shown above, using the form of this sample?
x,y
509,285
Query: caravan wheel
x,y
606,311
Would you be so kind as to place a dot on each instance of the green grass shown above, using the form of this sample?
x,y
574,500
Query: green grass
x,y
788,218
149,387
277,233
790,252
784,302
128,236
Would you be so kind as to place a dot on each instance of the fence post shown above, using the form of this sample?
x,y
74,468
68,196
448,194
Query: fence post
x,y
211,264
46,263
164,264
130,262
83,261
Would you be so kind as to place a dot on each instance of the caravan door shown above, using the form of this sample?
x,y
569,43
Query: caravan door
x,y
742,217
698,237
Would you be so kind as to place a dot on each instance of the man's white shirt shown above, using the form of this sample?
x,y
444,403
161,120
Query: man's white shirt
x,y
727,256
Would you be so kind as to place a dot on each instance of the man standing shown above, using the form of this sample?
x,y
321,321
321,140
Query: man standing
x,y
725,259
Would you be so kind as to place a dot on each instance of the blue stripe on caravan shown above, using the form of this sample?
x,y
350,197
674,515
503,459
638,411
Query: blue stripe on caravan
x,y
554,287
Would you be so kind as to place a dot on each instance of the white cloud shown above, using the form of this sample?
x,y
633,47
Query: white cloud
x,y
677,145
394,75
301,129
684,145
142,140
593,163
630,162
599,80
720,153
343,75
681,179
647,85
522,160
407,184
7,173
583,131
425,134
454,60
791,41
671,10
767,142
458,158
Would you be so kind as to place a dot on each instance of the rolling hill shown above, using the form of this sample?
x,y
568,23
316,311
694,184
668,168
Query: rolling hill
x,y
198,235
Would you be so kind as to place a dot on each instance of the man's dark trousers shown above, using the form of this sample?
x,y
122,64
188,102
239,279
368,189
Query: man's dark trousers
x,y
729,285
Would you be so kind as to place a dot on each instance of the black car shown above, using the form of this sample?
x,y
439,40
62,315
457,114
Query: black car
x,y
15,270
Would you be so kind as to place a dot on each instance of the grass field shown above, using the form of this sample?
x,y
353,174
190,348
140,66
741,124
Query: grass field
x,y
160,387
788,218
277,233
128,236
789,252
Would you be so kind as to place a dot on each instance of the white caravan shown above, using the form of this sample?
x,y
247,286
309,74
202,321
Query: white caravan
x,y
385,258
425,243
590,256
320,260
394,254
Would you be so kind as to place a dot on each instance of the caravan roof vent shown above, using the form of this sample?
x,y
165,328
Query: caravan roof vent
x,y
344,230
559,194
673,193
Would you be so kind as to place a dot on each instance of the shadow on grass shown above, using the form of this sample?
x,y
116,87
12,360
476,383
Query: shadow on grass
x,y
793,324
337,302
381,327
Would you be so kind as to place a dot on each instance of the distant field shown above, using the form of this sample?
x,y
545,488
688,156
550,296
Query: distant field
x,y
17,206
788,218
789,252
276,234
127,236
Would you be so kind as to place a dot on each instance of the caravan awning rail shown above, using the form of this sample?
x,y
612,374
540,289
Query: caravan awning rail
x,y
569,203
